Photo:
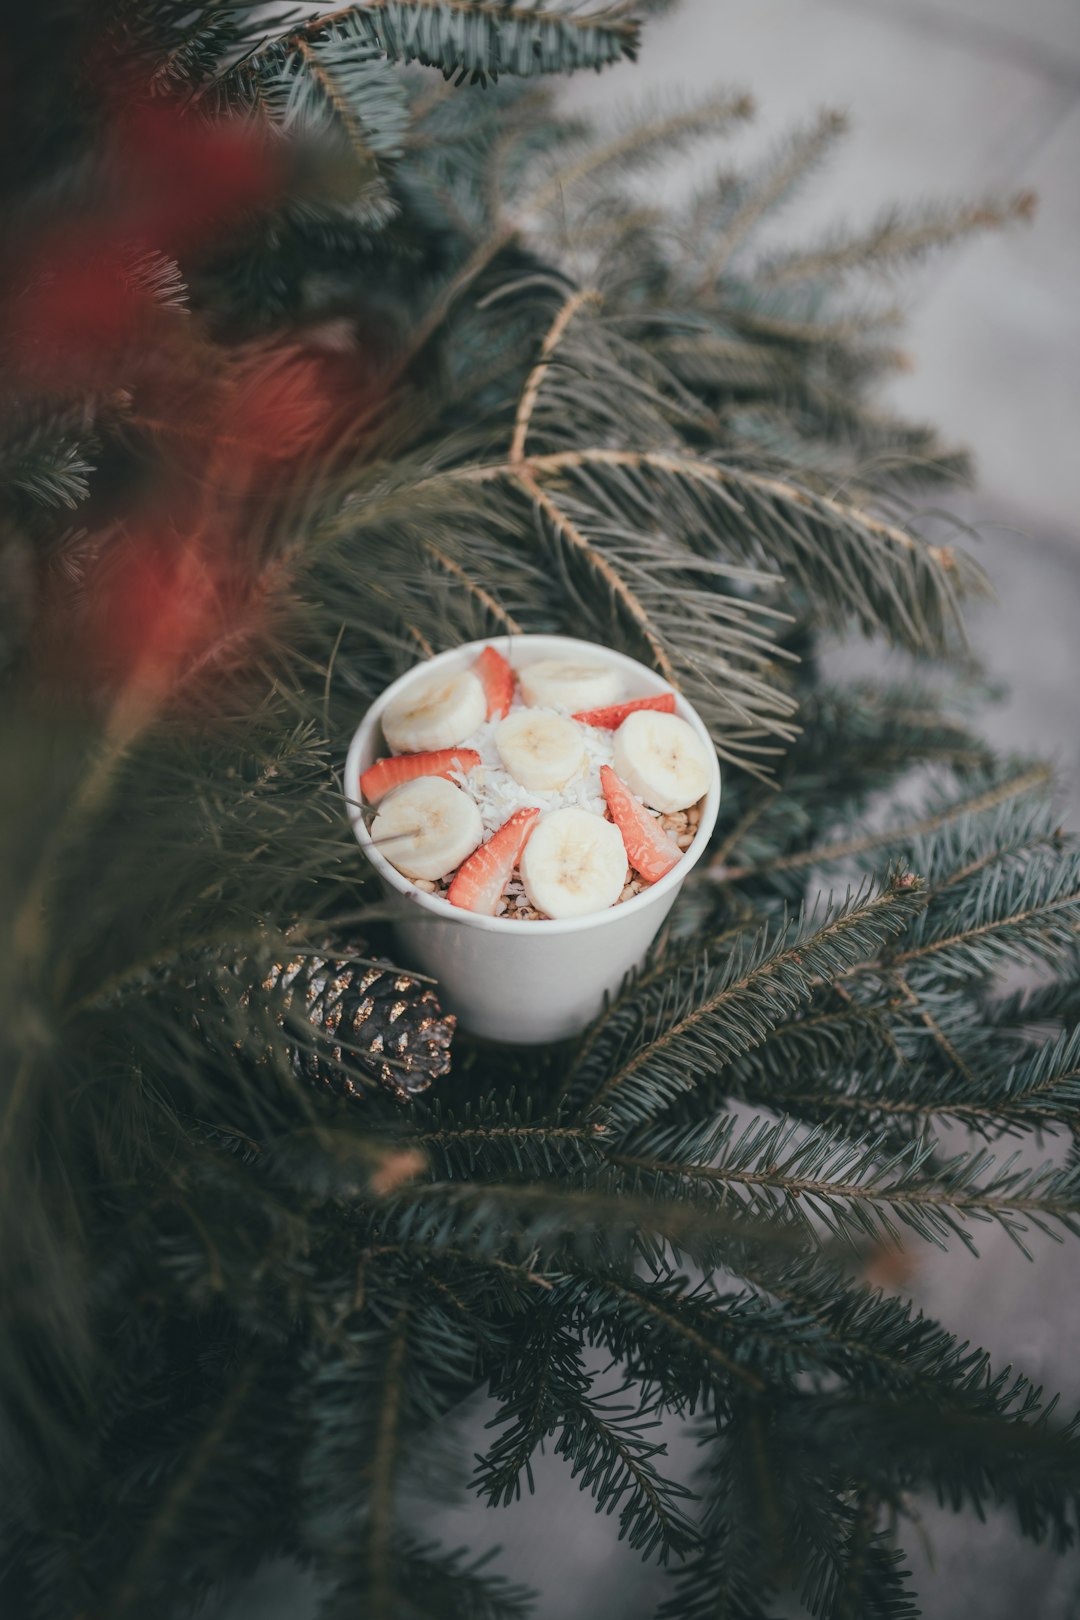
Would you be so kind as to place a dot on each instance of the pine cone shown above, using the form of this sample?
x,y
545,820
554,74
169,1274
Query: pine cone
x,y
386,1022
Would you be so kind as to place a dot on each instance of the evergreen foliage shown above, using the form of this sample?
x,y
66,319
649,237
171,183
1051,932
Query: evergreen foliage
x,y
438,370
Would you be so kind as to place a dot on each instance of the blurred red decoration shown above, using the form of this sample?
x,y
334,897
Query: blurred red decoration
x,y
186,181
80,306
159,608
173,185
279,406
210,431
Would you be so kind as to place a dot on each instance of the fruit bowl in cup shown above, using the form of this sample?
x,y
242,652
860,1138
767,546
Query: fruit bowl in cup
x,y
525,982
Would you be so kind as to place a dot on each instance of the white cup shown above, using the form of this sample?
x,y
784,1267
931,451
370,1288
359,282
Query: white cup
x,y
513,980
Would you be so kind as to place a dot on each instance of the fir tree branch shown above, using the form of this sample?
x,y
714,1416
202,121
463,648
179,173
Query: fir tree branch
x,y
613,1461
1040,1090
383,1469
606,573
450,1586
845,1183
759,804
420,1251
494,1145
317,65
534,382
476,590
30,934
896,239
536,1217
608,1451
913,599
826,854
642,140
531,16
870,1584
628,998
684,464
651,135
676,1047
54,472
1068,903
674,1325
485,1134
796,159
926,1016
838,332
163,1521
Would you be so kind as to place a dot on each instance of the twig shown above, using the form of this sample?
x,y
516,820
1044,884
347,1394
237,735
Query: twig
x,y
535,379
383,1470
618,587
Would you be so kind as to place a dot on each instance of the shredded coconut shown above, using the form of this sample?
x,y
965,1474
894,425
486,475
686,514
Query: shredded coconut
x,y
498,795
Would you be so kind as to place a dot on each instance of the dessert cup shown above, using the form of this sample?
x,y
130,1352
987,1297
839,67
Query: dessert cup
x,y
523,981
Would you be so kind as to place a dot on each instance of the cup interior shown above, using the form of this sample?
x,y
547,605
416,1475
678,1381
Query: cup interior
x,y
368,744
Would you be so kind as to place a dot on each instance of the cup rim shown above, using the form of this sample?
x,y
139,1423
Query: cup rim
x,y
650,684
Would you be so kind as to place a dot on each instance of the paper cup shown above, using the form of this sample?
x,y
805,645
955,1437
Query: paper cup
x,y
524,982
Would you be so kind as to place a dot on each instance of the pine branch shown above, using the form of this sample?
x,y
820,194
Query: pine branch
x,y
351,88
53,472
762,193
622,1007
497,1140
1042,1091
163,1522
383,1468
503,1269
858,565
546,1391
653,1326
1027,909
866,1581
534,1219
1024,1459
495,611
1023,783
700,1020
642,142
1041,1008
620,591
646,138
895,240
805,1065
447,1586
535,380
874,1341
480,37
847,1185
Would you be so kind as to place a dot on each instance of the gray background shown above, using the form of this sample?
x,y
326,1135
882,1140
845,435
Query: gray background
x,y
947,98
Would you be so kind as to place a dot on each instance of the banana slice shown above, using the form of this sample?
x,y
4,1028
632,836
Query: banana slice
x,y
559,683
435,712
662,759
540,750
427,827
574,863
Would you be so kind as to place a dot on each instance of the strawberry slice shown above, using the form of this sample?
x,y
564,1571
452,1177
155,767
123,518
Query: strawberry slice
x,y
649,849
378,779
498,681
480,881
611,718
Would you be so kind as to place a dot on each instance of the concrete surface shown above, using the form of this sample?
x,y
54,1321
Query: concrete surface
x,y
947,98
